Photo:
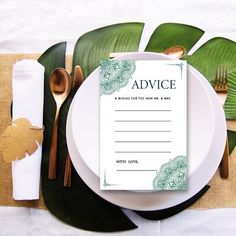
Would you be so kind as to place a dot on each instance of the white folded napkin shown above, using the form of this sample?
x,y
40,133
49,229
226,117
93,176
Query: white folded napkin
x,y
28,91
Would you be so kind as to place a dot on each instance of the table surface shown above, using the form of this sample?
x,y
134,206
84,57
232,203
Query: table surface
x,y
28,221
32,26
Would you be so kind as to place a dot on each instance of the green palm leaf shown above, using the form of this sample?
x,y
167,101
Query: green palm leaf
x,y
218,52
172,34
98,44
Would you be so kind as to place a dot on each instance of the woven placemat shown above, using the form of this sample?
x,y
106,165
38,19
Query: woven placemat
x,y
221,194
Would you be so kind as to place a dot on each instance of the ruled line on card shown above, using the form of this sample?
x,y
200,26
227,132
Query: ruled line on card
x,y
142,121
143,110
151,131
142,151
142,141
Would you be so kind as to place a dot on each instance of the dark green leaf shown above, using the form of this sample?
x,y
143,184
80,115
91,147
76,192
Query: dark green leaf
x,y
98,44
232,140
78,205
173,34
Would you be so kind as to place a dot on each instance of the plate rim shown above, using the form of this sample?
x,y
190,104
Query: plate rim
x,y
105,195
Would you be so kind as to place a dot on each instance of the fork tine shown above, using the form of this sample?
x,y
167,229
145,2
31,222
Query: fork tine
x,y
217,76
222,77
226,76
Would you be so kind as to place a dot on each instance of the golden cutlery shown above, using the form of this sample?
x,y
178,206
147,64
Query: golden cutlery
x,y
221,88
77,81
78,78
67,173
60,86
175,51
231,125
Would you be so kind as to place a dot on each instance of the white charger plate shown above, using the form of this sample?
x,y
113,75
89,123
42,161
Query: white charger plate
x,y
206,139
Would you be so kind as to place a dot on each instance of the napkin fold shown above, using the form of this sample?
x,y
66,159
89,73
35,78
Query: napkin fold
x,y
28,93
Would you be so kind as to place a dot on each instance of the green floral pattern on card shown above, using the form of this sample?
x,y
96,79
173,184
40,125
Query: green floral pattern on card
x,y
115,74
172,175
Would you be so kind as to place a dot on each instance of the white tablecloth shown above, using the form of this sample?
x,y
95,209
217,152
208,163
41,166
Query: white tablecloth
x,y
26,221
28,26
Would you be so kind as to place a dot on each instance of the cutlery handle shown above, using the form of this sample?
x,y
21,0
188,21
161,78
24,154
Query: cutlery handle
x,y
67,174
52,171
224,165
78,80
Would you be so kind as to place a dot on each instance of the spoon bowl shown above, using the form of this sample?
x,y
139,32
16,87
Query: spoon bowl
x,y
60,85
175,51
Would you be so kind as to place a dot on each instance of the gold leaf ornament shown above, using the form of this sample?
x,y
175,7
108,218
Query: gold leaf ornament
x,y
20,138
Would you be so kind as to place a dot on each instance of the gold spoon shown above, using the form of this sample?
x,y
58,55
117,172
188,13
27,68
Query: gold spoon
x,y
78,80
60,86
175,51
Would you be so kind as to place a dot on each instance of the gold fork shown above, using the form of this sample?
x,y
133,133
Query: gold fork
x,y
221,88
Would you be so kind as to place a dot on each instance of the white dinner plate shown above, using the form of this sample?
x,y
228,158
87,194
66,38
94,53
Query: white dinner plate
x,y
206,139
